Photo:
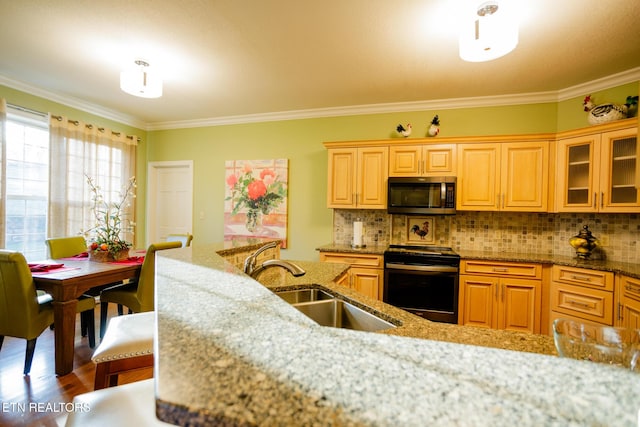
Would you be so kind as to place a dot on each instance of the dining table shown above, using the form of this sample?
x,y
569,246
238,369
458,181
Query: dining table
x,y
65,284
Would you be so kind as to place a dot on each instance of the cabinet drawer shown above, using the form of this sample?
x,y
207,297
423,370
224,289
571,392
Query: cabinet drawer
x,y
586,303
371,261
583,277
502,269
630,287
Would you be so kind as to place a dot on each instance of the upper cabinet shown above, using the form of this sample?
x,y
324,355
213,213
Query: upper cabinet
x,y
510,176
357,177
598,172
422,160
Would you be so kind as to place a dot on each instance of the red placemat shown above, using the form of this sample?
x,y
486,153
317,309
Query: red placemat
x,y
77,257
132,260
53,270
38,268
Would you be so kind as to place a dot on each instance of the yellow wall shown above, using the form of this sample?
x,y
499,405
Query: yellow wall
x,y
300,141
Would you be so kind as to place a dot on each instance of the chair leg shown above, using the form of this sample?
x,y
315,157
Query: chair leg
x,y
104,307
1,341
28,357
83,324
90,324
120,310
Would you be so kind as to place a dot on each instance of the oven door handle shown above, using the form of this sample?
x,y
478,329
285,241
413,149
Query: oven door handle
x,y
431,268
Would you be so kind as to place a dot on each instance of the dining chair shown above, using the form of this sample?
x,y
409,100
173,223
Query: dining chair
x,y
65,247
137,296
185,239
24,314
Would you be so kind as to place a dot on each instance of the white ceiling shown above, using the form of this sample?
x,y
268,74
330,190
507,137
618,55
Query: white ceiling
x,y
221,59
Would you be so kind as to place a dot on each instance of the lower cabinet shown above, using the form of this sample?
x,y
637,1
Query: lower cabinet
x,y
500,295
366,274
629,302
581,294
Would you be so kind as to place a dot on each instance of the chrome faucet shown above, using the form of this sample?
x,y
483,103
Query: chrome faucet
x,y
253,271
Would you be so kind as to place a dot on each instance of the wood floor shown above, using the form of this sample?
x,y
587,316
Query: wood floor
x,y
38,399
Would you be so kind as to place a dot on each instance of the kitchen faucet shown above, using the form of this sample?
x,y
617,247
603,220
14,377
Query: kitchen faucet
x,y
253,271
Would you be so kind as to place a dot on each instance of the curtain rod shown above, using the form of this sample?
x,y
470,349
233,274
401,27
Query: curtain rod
x,y
27,110
90,126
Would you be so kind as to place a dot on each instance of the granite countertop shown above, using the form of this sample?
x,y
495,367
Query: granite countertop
x,y
629,269
231,352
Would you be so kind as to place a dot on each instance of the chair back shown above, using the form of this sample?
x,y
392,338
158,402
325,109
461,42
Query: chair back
x,y
18,299
185,239
63,247
146,281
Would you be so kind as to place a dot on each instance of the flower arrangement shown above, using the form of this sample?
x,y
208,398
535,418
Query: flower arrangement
x,y
258,195
109,221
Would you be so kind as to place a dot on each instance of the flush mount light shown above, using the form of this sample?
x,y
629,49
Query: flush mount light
x,y
141,81
489,31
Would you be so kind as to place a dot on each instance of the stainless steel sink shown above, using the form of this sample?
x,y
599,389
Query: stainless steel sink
x,y
341,314
304,295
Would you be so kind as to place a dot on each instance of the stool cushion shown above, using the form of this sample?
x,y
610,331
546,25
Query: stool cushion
x,y
130,404
127,336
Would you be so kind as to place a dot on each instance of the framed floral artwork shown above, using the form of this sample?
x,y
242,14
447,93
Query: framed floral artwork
x,y
256,199
420,230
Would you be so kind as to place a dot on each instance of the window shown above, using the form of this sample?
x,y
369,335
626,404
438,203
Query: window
x,y
27,185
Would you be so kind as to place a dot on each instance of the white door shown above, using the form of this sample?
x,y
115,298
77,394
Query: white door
x,y
169,199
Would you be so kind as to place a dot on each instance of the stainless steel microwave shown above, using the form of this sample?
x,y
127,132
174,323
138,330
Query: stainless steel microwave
x,y
421,195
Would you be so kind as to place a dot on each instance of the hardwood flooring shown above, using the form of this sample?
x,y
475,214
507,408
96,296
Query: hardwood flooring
x,y
38,399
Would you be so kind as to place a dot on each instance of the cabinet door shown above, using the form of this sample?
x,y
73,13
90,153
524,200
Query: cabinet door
x,y
525,174
367,281
372,171
479,177
439,160
405,160
477,304
341,185
619,179
629,304
577,179
519,305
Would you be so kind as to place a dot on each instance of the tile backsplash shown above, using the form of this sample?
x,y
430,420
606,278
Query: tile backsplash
x,y
540,233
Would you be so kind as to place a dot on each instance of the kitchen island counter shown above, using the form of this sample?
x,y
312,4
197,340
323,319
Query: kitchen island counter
x,y
231,352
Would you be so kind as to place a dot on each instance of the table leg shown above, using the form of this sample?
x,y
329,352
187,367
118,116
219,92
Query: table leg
x,y
64,316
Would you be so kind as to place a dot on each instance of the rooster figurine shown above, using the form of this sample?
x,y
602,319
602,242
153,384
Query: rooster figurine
x,y
404,131
434,128
422,232
604,113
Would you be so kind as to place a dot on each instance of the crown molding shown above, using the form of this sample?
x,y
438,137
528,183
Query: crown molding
x,y
618,79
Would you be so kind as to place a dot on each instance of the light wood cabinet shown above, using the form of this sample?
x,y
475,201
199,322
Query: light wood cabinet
x,y
357,177
582,294
510,176
422,160
500,295
599,172
366,274
628,302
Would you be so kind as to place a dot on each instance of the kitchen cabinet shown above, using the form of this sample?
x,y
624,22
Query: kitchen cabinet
x,y
366,274
629,302
500,295
598,172
582,294
422,160
509,176
357,177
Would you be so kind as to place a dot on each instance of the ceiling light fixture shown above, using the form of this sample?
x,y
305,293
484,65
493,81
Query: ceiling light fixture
x,y
141,81
488,32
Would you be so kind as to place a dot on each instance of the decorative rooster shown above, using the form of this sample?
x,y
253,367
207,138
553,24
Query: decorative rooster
x,y
404,131
609,112
434,128
422,232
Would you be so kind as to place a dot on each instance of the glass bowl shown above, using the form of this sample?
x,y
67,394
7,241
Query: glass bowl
x,y
597,343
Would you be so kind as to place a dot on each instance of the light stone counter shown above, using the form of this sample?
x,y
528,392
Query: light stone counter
x,y
230,352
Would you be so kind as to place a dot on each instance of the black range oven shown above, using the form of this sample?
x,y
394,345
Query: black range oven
x,y
423,280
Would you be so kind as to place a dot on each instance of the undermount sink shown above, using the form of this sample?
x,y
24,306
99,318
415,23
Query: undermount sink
x,y
327,310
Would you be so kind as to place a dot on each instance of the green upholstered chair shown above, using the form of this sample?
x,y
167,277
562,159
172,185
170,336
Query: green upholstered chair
x,y
65,247
22,313
185,239
137,296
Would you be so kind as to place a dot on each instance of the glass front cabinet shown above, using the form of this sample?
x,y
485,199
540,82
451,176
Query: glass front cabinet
x,y
599,172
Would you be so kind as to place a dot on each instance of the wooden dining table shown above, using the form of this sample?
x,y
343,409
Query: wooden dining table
x,y
68,283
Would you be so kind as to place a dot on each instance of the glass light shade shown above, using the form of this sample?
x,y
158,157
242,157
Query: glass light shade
x,y
142,82
483,38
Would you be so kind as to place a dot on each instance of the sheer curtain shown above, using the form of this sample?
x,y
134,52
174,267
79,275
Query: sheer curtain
x,y
3,168
78,150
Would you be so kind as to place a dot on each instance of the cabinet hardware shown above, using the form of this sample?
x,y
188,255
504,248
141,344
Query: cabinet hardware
x,y
585,278
595,200
500,269
602,200
620,311
578,303
503,292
